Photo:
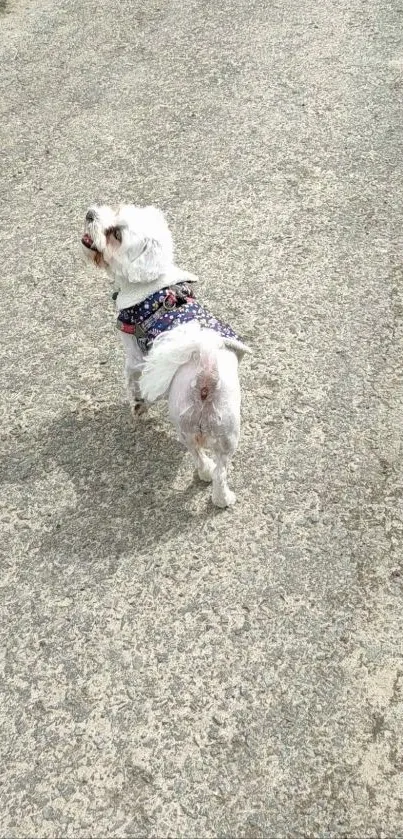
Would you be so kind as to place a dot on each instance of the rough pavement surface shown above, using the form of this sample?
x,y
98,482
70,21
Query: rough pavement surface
x,y
170,669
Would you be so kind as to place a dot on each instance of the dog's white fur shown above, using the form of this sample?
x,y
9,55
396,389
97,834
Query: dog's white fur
x,y
192,366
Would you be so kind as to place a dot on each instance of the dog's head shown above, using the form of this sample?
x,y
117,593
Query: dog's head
x,y
132,243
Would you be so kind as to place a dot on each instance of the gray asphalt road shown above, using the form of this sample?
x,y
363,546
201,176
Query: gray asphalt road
x,y
171,670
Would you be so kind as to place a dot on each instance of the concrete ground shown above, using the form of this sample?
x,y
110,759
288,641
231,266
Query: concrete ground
x,y
169,669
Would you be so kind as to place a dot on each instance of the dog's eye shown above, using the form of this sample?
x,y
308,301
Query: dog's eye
x,y
117,234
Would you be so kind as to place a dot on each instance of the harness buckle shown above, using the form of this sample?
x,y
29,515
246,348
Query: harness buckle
x,y
140,335
169,302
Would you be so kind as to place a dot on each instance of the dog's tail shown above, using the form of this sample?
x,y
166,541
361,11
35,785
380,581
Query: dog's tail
x,y
177,347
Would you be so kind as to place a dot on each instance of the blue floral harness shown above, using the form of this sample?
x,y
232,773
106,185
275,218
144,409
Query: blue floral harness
x,y
166,309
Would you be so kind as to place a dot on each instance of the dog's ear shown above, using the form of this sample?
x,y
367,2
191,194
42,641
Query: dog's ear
x,y
146,259
135,251
149,251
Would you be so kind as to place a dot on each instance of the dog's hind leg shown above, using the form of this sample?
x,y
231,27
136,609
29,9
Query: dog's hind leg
x,y
224,450
204,464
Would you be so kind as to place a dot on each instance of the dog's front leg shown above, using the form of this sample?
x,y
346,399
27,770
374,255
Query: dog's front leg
x,y
134,364
137,404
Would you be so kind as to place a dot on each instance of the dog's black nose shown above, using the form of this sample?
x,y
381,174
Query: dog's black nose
x,y
90,215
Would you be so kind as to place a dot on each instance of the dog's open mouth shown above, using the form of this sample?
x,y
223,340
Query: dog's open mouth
x,y
88,242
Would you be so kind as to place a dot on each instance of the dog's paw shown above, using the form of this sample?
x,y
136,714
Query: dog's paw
x,y
138,409
223,498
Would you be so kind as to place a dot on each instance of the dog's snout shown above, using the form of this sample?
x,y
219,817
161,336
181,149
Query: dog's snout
x,y
90,216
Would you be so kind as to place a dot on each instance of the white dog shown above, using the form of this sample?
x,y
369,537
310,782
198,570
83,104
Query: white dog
x,y
174,347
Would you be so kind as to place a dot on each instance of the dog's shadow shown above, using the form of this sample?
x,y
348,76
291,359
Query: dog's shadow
x,y
120,484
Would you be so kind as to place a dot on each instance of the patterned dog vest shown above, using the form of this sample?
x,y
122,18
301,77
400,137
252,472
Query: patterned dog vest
x,y
166,309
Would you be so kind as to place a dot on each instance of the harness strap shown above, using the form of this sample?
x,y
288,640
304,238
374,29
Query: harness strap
x,y
176,296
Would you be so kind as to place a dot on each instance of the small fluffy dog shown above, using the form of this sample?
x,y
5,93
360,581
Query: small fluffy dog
x,y
174,347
